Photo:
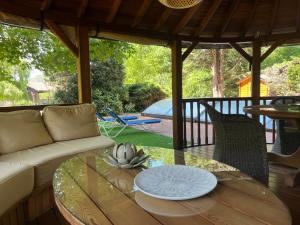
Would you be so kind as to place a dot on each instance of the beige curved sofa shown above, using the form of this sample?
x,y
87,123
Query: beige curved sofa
x,y
33,145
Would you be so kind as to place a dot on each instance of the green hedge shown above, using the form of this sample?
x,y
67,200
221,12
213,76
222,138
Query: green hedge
x,y
143,95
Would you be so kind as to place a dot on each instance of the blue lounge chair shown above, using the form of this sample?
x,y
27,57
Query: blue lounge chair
x,y
107,123
125,123
111,119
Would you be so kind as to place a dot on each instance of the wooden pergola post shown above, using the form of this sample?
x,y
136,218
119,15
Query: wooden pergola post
x,y
256,60
177,94
83,65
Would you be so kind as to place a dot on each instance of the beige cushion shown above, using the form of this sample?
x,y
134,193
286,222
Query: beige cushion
x,y
21,130
71,122
47,158
16,182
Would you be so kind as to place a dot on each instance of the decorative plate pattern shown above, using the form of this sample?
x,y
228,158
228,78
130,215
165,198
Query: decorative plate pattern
x,y
176,182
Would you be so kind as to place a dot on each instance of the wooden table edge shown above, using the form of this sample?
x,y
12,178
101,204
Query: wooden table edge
x,y
255,110
66,213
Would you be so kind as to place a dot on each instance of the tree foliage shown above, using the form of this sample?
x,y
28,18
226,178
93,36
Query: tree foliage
x,y
9,91
198,66
280,55
293,74
151,65
24,49
198,83
140,96
107,86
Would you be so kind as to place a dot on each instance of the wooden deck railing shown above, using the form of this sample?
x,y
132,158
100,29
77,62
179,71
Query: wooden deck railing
x,y
197,128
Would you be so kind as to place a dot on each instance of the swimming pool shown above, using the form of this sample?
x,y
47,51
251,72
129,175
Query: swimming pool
x,y
163,109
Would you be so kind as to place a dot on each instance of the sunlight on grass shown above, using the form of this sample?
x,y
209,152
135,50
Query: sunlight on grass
x,y
142,138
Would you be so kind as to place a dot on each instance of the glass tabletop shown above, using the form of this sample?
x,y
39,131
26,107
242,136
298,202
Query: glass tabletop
x,y
90,190
291,111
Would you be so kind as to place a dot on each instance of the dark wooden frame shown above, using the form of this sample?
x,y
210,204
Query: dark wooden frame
x,y
86,25
33,107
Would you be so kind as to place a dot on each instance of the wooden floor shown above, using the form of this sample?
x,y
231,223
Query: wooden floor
x,y
290,196
52,217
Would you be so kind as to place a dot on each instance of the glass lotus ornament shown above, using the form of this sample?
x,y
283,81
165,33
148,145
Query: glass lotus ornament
x,y
126,156
180,4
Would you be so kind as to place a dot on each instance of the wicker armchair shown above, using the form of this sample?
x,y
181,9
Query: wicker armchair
x,y
240,142
288,138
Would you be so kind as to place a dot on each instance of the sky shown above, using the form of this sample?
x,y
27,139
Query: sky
x,y
36,74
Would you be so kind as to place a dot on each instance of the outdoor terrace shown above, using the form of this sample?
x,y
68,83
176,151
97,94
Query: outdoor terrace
x,y
211,24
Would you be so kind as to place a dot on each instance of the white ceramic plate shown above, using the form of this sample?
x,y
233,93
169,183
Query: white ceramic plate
x,y
176,182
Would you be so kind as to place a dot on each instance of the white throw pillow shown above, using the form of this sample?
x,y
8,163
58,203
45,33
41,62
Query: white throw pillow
x,y
71,122
21,130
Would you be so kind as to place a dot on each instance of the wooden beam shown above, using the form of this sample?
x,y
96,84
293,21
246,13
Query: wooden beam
x,y
274,16
33,107
213,8
232,10
185,19
82,8
69,19
46,5
83,65
249,19
241,51
272,48
114,10
142,11
58,31
162,19
189,50
255,87
177,94
298,17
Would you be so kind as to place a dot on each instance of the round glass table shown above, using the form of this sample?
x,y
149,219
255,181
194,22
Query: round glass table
x,y
89,191
288,111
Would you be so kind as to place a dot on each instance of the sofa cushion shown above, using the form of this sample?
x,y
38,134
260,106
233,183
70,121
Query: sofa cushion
x,y
71,122
47,158
21,130
16,182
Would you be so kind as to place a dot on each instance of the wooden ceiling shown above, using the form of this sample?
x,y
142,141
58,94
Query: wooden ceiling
x,y
212,21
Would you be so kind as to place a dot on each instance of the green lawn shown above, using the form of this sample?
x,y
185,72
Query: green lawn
x,y
142,138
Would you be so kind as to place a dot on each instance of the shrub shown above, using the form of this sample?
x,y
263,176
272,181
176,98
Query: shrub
x,y
107,87
143,95
294,76
129,107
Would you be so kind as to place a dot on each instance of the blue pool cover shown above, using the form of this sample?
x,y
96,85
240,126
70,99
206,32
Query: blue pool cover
x,y
163,108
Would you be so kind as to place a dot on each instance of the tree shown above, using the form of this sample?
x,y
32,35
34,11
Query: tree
x,y
283,78
293,74
22,49
151,65
9,91
107,86
280,55
140,96
217,71
234,67
198,83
